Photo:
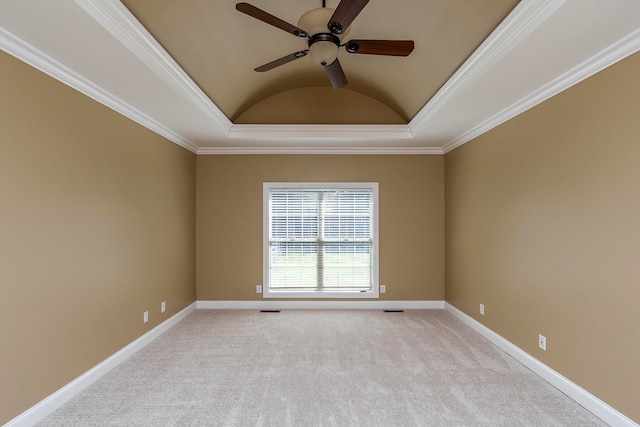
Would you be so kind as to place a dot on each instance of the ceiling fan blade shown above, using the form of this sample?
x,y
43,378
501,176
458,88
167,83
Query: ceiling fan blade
x,y
336,74
270,19
344,15
278,62
380,47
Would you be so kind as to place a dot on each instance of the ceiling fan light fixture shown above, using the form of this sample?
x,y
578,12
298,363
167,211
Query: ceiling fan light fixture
x,y
323,48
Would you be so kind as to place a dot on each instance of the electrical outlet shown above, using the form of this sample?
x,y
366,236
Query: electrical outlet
x,y
542,342
145,317
383,289
163,306
482,309
258,289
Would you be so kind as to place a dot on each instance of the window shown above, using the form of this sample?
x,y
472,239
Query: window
x,y
320,240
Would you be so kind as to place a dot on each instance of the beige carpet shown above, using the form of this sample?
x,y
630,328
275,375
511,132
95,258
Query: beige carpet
x,y
321,368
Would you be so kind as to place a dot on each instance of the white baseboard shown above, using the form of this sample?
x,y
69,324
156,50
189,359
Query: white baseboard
x,y
51,403
594,405
321,305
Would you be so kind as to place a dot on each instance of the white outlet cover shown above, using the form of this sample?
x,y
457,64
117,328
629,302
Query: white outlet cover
x,y
258,289
145,317
163,307
482,309
542,342
383,289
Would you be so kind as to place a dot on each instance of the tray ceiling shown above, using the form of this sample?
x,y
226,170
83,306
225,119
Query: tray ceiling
x,y
185,69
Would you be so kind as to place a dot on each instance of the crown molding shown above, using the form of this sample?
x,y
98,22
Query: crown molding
x,y
321,150
624,47
521,22
23,51
320,132
119,22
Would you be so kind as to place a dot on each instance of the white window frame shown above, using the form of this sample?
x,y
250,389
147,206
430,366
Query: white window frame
x,y
316,293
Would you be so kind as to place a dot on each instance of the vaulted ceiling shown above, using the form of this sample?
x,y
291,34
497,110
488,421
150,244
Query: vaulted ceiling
x,y
185,68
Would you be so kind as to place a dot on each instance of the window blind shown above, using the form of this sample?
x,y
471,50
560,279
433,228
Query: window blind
x,y
320,239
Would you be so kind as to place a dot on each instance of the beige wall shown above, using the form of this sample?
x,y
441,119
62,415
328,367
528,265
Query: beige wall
x,y
543,228
229,218
97,224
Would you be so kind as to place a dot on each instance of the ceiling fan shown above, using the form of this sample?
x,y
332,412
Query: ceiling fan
x,y
324,29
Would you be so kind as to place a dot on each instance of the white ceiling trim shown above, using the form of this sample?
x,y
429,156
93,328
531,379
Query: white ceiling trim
x,y
521,22
320,132
610,55
43,62
121,23
320,150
